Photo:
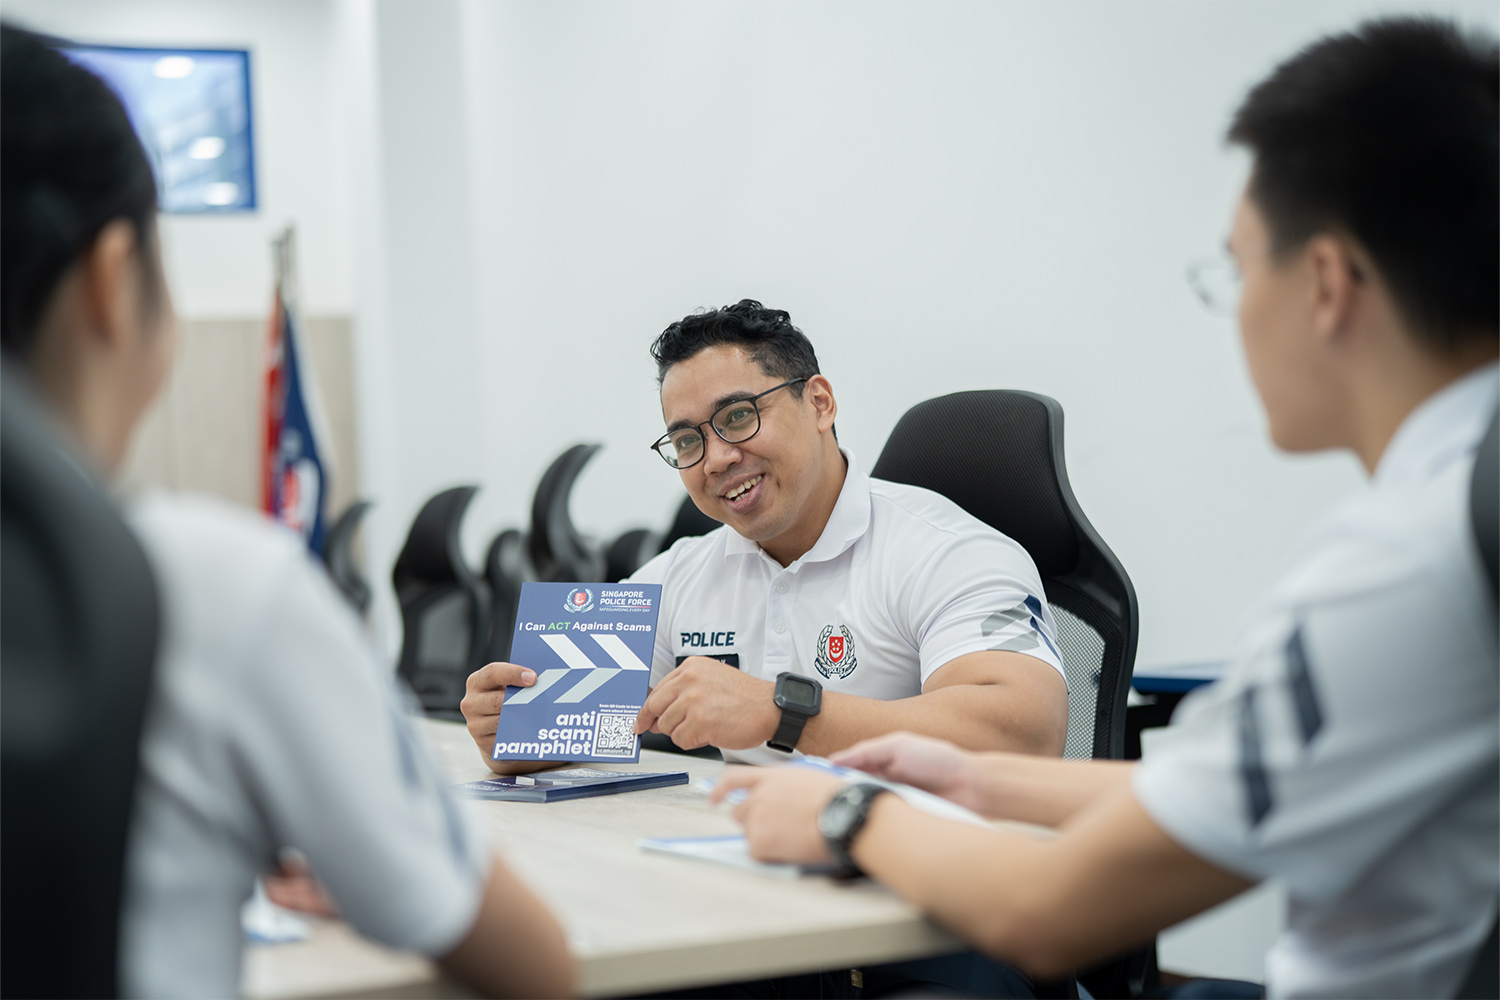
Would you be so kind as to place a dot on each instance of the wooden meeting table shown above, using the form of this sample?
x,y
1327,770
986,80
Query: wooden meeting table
x,y
637,922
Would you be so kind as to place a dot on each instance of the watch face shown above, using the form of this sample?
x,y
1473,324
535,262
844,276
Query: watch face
x,y
798,693
834,821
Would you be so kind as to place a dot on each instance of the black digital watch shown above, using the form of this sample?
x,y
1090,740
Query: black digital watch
x,y
842,819
799,698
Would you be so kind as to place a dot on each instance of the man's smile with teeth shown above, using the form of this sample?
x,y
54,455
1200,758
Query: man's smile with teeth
x,y
742,487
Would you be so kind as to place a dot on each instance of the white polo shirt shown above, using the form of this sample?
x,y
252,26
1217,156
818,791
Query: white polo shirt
x,y
1352,751
901,582
271,725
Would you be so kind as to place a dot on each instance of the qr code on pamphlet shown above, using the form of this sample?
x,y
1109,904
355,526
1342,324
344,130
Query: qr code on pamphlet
x,y
616,735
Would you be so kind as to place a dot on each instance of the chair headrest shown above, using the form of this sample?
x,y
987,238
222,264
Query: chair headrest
x,y
689,523
997,453
432,553
553,536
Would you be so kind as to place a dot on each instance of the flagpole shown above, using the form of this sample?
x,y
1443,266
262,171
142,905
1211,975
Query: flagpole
x,y
298,455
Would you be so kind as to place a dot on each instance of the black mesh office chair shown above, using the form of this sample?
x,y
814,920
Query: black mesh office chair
x,y
998,454
1483,980
338,556
79,625
557,550
445,608
505,569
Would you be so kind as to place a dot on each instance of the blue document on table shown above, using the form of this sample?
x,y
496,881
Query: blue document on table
x,y
591,646
568,783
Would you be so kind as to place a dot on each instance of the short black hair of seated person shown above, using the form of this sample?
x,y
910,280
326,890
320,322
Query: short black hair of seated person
x,y
777,347
1388,134
70,164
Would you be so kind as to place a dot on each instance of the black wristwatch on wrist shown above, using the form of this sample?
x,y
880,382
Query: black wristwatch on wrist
x,y
842,819
799,698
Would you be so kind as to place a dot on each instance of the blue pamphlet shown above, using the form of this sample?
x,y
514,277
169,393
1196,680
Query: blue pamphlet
x,y
569,783
591,646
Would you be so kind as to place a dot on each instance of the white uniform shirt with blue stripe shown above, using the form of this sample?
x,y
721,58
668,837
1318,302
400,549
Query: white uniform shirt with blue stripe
x,y
1352,751
901,582
272,726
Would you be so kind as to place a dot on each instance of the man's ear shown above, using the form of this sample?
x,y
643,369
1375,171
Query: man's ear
x,y
818,392
1337,284
110,282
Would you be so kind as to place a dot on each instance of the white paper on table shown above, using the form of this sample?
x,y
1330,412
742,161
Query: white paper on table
x,y
732,850
266,923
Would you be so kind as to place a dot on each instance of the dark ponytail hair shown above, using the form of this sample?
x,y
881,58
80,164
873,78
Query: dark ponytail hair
x,y
70,164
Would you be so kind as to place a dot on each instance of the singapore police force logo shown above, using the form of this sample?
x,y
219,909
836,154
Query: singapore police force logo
x,y
835,653
580,600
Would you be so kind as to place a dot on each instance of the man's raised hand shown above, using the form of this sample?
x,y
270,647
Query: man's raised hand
x,y
484,694
704,702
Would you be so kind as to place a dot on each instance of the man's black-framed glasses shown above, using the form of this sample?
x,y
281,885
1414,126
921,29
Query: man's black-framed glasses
x,y
734,422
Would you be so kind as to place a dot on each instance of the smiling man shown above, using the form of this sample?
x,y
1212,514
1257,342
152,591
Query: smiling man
x,y
831,607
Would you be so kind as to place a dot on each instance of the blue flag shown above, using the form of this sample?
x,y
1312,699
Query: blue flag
x,y
296,475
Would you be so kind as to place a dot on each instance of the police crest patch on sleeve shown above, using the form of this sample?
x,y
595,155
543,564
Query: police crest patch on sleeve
x,y
835,656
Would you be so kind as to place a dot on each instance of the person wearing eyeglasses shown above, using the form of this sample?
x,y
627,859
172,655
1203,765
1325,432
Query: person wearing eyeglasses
x,y
831,607
1352,750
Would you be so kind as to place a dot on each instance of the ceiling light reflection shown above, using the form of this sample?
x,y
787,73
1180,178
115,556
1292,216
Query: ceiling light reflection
x,y
173,67
208,147
223,193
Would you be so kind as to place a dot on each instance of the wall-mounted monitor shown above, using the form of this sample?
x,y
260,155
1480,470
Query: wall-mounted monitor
x,y
191,108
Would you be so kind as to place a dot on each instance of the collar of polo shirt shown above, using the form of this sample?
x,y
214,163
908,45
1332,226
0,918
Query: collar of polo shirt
x,y
846,525
1425,439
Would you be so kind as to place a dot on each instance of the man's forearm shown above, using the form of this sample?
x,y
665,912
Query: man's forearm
x,y
973,716
1048,904
515,947
1043,790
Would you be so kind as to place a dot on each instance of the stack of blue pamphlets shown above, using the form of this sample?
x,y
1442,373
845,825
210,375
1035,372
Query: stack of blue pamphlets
x,y
591,646
569,783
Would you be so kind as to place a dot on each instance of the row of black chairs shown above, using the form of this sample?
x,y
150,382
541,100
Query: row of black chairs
x,y
455,618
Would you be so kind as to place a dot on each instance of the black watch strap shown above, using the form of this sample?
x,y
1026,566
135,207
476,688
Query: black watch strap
x,y
788,731
799,698
842,819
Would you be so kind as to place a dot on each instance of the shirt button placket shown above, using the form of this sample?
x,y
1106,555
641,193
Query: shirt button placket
x,y
778,642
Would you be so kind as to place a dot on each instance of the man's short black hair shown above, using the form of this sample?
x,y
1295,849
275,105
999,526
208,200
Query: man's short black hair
x,y
1389,134
767,335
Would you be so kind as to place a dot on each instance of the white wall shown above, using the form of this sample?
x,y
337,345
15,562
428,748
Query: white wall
x,y
944,196
512,199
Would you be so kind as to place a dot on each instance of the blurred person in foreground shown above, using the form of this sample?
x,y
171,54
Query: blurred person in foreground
x,y
263,677
1352,751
